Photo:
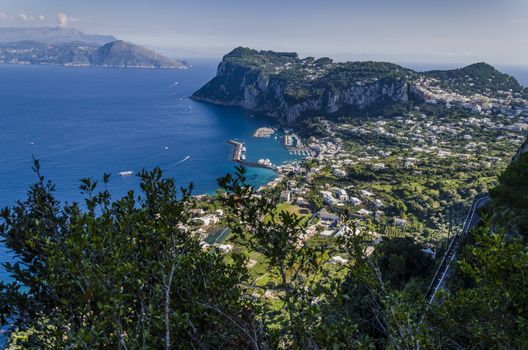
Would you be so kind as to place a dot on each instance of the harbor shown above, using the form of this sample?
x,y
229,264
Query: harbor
x,y
239,156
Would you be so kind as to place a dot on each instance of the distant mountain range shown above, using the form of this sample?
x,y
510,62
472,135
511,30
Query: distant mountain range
x,y
50,35
71,47
282,85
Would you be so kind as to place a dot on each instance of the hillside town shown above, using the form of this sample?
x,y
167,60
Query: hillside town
x,y
411,175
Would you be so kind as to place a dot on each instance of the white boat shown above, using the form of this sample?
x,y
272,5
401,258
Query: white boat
x,y
126,173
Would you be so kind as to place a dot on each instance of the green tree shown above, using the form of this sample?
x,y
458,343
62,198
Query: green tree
x,y
511,197
127,274
490,311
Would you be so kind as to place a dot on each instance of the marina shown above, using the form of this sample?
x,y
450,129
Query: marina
x,y
239,156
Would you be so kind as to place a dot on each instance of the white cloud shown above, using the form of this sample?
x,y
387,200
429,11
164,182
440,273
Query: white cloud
x,y
41,17
64,20
26,18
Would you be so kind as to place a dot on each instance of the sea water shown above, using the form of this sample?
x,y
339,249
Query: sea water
x,y
84,122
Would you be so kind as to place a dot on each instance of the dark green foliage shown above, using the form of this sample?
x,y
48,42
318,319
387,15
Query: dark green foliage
x,y
311,127
491,312
511,197
125,274
400,260
476,78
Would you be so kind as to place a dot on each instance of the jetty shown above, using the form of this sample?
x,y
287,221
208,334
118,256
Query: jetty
x,y
239,157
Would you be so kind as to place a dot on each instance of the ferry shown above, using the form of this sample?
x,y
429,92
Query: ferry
x,y
126,173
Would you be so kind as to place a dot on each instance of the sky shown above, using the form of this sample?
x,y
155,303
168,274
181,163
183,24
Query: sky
x,y
432,31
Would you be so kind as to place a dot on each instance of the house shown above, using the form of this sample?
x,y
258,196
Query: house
x,y
339,172
429,252
225,248
206,220
341,194
285,196
364,212
326,217
197,212
379,166
366,193
303,203
399,222
345,230
327,233
328,198
355,201
338,260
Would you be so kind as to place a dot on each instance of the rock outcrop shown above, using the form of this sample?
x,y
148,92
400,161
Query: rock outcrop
x,y
282,85
286,87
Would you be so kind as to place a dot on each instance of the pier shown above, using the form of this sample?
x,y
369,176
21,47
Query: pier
x,y
237,157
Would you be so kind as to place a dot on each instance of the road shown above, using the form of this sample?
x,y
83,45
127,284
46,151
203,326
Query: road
x,y
471,221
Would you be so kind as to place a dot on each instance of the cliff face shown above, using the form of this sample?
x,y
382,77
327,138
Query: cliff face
x,y
282,85
286,87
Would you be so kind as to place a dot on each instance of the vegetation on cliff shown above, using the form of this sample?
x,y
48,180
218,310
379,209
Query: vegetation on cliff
x,y
283,85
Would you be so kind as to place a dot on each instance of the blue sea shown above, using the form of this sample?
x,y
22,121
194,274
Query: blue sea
x,y
83,122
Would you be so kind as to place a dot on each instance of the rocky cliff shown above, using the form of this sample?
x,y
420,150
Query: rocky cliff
x,y
284,86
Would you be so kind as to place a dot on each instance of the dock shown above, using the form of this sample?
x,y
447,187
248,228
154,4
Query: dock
x,y
237,157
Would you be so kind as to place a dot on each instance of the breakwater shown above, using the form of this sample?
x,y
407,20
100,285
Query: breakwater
x,y
237,157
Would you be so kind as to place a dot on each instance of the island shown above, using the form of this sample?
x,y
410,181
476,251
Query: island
x,y
282,85
70,47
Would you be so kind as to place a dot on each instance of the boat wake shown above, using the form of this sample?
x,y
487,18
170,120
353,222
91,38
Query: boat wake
x,y
183,160
178,162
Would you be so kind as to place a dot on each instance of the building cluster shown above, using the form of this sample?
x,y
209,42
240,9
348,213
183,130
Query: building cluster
x,y
508,103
